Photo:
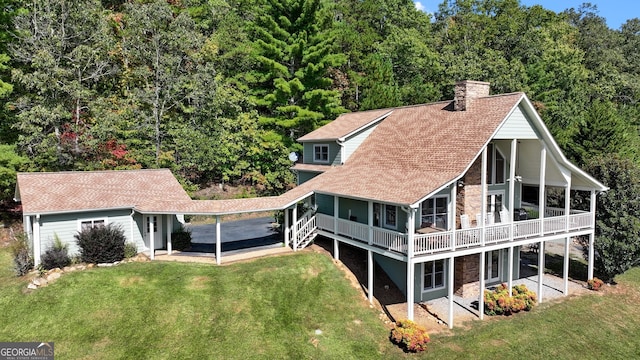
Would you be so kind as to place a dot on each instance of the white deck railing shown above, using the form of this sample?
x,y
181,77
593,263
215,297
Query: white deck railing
x,y
461,238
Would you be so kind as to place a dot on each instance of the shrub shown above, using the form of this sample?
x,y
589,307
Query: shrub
x,y
130,250
22,260
57,256
101,244
181,239
410,336
594,284
498,302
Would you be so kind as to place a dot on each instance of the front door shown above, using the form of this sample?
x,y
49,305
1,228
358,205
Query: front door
x,y
157,231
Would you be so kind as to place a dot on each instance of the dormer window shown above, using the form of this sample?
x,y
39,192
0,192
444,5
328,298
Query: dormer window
x,y
495,165
321,153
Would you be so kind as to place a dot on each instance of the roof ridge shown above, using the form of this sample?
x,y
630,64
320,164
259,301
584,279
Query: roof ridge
x,y
88,171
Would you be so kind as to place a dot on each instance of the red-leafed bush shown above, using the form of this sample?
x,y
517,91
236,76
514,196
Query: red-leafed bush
x,y
594,284
410,336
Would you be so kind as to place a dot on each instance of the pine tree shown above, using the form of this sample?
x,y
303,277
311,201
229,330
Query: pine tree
x,y
292,87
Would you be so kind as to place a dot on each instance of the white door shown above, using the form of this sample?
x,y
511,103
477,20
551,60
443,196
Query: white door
x,y
157,231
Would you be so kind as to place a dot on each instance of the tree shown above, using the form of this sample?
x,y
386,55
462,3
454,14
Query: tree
x,y
162,67
61,53
617,243
10,164
293,44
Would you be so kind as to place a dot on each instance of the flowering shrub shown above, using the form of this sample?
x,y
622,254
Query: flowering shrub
x,y
595,284
498,302
410,336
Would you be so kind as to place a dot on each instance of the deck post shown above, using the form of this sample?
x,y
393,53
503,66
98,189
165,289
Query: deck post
x,y
565,273
483,194
169,231
482,285
336,210
567,203
36,240
454,207
512,190
152,238
510,271
286,227
540,270
411,229
370,276
410,288
450,288
370,220
592,208
294,230
218,244
542,195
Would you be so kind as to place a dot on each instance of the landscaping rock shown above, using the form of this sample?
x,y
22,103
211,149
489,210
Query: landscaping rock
x,y
53,276
31,286
105,265
91,266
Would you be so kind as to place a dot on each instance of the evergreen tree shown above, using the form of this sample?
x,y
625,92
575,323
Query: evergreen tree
x,y
294,47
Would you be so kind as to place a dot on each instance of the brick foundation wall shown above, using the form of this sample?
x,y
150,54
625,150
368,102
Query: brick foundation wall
x,y
465,279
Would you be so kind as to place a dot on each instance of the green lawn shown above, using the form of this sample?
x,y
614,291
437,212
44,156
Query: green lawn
x,y
270,309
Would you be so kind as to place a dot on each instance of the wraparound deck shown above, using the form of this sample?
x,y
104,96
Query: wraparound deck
x,y
446,241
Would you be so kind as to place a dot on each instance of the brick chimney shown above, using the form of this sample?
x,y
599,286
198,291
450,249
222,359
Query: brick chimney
x,y
467,90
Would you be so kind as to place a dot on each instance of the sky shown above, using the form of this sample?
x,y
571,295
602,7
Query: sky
x,y
617,12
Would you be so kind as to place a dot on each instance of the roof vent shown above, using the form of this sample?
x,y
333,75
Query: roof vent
x,y
467,90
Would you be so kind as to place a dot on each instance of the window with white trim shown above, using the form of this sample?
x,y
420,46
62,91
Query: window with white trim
x,y
495,165
91,223
390,216
321,153
435,212
433,275
155,224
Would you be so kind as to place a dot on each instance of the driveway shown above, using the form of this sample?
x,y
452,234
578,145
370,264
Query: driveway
x,y
235,235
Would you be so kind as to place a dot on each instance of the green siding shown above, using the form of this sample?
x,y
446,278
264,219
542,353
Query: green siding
x,y
395,269
325,204
334,152
358,208
304,176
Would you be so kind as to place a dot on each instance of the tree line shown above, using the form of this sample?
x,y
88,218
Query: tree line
x,y
218,90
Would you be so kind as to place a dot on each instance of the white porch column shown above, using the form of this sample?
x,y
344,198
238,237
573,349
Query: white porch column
x,y
370,220
370,276
592,235
169,231
218,241
567,203
450,274
411,229
152,237
540,270
541,192
565,272
454,207
512,190
36,240
510,271
482,285
294,223
483,194
336,244
286,227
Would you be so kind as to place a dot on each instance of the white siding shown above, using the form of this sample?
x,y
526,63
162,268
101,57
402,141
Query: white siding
x,y
517,126
353,142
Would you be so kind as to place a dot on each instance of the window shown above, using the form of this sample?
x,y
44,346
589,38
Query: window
x,y
495,205
390,220
321,153
376,214
495,165
155,224
91,223
433,275
492,266
434,212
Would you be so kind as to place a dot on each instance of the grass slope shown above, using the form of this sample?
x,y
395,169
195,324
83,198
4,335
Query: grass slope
x,y
270,309
266,309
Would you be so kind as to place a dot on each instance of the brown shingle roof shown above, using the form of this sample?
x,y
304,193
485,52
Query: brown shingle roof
x,y
344,125
416,150
90,190
311,167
